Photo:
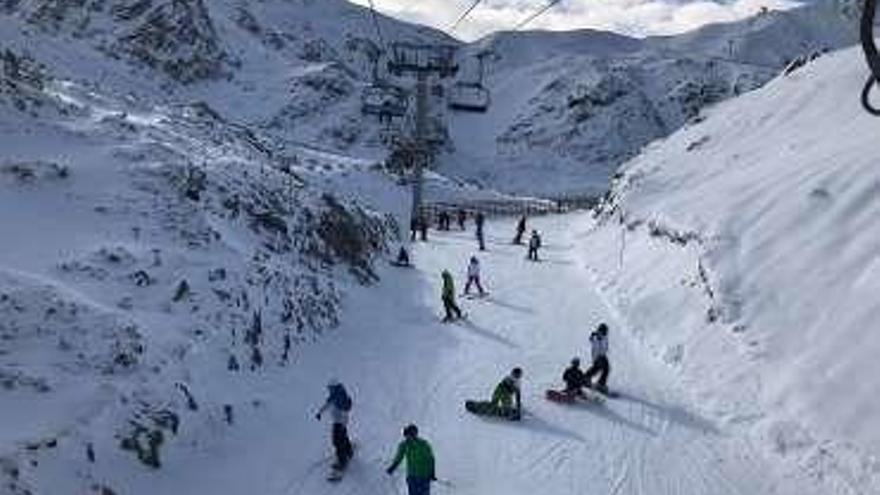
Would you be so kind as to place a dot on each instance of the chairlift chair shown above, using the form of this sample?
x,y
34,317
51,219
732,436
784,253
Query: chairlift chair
x,y
384,100
417,58
469,97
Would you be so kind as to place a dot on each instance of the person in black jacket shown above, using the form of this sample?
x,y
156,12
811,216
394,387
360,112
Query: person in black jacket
x,y
480,220
520,230
574,379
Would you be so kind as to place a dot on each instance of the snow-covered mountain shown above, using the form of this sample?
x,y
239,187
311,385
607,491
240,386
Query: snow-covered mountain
x,y
572,105
569,108
744,250
158,259
295,67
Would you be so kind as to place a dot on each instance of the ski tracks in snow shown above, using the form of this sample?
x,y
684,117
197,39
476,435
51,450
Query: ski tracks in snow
x,y
410,367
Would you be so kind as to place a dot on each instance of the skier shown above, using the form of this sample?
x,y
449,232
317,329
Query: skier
x,y
480,220
574,379
423,227
601,366
413,227
419,461
339,403
448,295
443,220
520,230
462,218
534,245
506,393
473,274
402,257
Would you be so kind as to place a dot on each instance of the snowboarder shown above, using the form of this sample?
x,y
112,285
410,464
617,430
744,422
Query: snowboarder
x,y
339,404
574,379
534,245
462,218
402,258
419,461
480,220
473,274
601,366
574,382
448,295
506,393
520,230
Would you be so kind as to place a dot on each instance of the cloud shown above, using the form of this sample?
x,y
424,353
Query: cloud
x,y
631,17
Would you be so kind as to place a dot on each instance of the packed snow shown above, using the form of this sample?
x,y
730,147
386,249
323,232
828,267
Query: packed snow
x,y
744,251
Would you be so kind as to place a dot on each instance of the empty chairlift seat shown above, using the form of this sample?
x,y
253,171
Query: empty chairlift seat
x,y
469,97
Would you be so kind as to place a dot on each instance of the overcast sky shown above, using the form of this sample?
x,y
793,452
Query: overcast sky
x,y
632,17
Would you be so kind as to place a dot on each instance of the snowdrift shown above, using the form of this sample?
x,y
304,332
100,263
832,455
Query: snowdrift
x,y
745,250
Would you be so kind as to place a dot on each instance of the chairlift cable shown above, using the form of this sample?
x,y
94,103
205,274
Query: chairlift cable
x,y
375,17
866,32
537,14
465,14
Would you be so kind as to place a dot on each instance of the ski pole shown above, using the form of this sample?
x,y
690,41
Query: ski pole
x,y
446,483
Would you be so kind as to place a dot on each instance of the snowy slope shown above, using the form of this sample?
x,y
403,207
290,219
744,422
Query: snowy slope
x,y
151,256
569,108
402,365
749,260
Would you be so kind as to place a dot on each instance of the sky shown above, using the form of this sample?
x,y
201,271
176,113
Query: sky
x,y
630,17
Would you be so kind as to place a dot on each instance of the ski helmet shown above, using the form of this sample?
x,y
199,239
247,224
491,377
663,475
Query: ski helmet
x,y
602,329
333,382
517,372
411,431
575,361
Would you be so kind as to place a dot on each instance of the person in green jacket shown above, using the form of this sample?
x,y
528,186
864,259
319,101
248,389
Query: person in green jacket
x,y
419,462
448,296
507,394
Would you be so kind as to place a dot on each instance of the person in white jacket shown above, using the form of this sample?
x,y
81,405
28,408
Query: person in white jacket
x,y
601,366
473,276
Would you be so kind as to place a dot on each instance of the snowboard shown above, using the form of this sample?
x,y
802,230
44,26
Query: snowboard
x,y
400,265
561,397
606,393
336,474
486,408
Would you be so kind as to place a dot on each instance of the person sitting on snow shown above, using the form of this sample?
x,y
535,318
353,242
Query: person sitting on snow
x,y
574,379
507,392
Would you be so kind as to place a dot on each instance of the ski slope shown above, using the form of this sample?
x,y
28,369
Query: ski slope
x,y
402,365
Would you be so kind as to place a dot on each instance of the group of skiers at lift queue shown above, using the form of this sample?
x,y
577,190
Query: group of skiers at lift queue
x,y
506,401
419,228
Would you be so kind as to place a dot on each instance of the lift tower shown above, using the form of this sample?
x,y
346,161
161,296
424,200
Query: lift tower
x,y
421,61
